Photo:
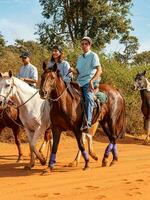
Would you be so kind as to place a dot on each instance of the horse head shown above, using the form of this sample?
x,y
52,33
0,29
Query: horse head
x,y
48,80
6,87
140,82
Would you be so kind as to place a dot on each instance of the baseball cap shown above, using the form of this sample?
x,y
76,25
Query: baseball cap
x,y
59,48
88,39
24,54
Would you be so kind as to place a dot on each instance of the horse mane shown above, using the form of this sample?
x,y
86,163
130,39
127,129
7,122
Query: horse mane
x,y
28,87
148,84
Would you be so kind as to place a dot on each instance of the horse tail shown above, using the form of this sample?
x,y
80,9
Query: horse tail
x,y
119,122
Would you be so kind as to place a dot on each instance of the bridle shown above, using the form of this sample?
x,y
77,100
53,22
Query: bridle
x,y
11,90
56,99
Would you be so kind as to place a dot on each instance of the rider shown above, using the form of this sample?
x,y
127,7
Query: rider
x,y
62,65
89,71
28,72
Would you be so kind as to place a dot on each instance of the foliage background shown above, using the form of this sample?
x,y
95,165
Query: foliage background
x,y
114,73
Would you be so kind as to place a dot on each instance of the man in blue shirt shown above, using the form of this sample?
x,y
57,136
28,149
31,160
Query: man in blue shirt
x,y
28,72
89,71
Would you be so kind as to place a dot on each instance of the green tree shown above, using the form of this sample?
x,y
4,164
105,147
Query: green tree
x,y
2,44
70,20
142,58
131,46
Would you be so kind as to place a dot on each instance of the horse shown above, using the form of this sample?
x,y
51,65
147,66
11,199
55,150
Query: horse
x,y
67,114
33,111
9,118
143,85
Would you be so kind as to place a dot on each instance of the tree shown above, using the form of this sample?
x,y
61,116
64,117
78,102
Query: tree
x,y
2,40
131,46
70,20
142,58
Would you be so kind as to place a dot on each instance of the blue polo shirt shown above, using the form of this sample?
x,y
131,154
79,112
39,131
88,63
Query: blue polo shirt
x,y
86,66
28,71
63,68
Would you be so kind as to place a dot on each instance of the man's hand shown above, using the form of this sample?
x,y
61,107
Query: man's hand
x,y
21,78
73,70
91,86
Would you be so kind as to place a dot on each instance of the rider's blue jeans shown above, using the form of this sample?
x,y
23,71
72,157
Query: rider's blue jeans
x,y
89,103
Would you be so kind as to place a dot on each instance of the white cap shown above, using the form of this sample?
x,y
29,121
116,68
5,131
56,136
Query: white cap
x,y
88,39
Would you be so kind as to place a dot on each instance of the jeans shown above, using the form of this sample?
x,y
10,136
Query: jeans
x,y
89,103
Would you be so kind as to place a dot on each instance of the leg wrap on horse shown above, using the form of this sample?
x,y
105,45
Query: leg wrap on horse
x,y
115,152
109,149
52,160
85,155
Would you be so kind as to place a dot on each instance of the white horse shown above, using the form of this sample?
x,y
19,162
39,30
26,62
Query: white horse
x,y
33,111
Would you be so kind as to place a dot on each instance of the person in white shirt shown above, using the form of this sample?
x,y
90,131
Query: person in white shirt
x,y
28,72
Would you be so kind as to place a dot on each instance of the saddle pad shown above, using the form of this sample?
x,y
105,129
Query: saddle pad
x,y
102,97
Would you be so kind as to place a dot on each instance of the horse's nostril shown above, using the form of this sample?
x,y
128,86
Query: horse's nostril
x,y
0,103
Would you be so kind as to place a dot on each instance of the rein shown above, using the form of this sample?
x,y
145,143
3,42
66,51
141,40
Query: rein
x,y
28,99
59,96
11,89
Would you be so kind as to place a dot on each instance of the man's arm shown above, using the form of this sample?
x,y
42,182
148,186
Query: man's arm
x,y
95,77
29,80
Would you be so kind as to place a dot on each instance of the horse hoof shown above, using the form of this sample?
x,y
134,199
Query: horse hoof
x,y
72,164
114,162
46,172
19,159
94,156
27,167
104,164
86,166
43,162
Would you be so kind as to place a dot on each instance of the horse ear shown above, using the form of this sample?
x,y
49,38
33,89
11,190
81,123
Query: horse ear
x,y
44,66
144,72
10,73
54,68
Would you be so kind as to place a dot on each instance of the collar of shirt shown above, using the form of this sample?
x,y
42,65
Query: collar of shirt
x,y
86,54
27,64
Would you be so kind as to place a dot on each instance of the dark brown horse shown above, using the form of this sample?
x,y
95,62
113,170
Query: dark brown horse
x,y
142,84
67,114
9,118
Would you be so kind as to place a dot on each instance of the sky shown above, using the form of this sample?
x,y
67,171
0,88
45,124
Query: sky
x,y
18,19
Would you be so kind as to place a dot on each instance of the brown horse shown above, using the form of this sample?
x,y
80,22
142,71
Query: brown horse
x,y
67,114
9,118
141,83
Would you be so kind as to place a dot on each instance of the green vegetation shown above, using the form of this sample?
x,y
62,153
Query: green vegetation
x,y
68,21
114,73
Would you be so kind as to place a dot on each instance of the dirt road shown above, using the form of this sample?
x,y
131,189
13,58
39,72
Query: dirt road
x,y
129,179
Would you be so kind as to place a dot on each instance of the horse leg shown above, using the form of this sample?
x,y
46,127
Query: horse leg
x,y
47,140
16,132
33,151
89,138
33,148
77,158
147,129
115,154
56,139
32,156
79,139
109,148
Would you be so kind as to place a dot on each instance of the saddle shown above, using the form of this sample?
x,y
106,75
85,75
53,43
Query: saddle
x,y
100,99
